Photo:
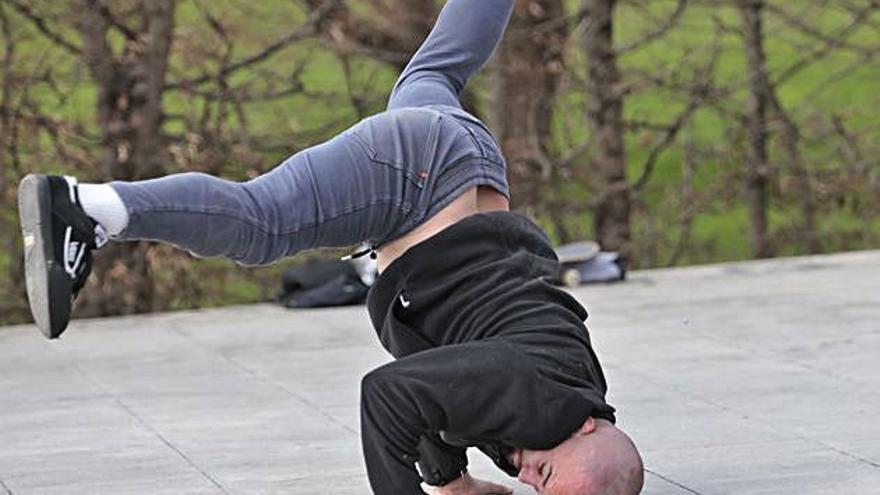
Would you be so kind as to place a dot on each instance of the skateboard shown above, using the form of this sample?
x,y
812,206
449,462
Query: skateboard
x,y
573,258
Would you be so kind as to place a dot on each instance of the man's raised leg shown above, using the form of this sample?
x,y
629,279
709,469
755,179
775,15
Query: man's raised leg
x,y
464,37
332,195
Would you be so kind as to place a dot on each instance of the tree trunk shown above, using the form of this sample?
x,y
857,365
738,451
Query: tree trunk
x,y
525,82
6,121
758,171
8,169
613,205
791,143
129,114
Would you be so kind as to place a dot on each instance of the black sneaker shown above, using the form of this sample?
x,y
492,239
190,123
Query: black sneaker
x,y
58,241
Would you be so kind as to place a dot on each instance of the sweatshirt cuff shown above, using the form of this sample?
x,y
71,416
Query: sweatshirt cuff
x,y
440,463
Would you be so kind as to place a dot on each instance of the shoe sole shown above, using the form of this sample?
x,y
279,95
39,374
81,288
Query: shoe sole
x,y
49,286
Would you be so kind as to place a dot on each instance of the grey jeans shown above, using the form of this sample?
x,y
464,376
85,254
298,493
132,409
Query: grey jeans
x,y
373,183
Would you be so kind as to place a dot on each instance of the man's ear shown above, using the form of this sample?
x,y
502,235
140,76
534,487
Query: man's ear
x,y
588,427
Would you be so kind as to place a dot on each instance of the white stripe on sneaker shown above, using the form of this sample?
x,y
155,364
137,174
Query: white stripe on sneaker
x,y
73,253
71,188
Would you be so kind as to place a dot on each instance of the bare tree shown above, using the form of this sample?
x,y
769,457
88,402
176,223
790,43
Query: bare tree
x,y
758,126
766,114
525,83
13,297
612,207
825,44
391,32
128,49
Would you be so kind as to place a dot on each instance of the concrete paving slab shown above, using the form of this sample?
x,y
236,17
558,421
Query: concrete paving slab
x,y
744,378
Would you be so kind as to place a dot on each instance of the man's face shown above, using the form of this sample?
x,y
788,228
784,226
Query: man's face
x,y
552,472
598,458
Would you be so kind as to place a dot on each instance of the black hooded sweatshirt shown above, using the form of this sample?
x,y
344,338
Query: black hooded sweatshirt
x,y
489,354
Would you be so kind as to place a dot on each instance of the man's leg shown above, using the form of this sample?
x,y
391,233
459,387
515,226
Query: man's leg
x,y
332,195
463,39
252,223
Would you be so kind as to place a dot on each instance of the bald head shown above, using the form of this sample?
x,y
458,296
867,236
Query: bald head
x,y
598,459
611,463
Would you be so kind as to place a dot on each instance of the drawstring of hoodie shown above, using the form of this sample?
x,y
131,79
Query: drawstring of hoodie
x,y
360,254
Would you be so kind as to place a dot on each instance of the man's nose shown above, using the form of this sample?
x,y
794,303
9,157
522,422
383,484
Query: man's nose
x,y
528,476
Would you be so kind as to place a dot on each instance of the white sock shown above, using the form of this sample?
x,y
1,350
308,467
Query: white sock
x,y
105,206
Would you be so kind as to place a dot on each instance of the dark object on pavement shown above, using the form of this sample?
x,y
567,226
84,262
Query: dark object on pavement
x,y
585,263
322,284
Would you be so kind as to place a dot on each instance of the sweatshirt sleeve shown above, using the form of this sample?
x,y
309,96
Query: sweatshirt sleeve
x,y
439,463
479,390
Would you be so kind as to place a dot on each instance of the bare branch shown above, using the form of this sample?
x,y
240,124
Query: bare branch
x,y
830,43
797,22
688,200
633,125
843,73
43,26
300,33
853,152
51,124
661,30
96,52
214,23
668,138
59,131
351,34
241,95
112,20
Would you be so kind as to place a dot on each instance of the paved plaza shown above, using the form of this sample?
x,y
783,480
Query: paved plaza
x,y
748,378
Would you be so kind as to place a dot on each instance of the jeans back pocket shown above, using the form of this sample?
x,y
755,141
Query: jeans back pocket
x,y
402,140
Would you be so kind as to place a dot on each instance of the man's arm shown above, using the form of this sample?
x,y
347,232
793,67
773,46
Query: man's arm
x,y
439,463
463,39
479,390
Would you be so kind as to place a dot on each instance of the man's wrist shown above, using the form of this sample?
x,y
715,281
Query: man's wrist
x,y
450,486
448,480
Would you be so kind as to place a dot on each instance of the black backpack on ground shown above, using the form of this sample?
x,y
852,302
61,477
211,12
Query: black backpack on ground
x,y
322,284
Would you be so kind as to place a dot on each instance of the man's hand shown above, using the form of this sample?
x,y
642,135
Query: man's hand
x,y
468,485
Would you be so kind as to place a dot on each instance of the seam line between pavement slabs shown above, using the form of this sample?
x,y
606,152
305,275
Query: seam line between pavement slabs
x,y
267,380
850,455
772,426
5,488
799,436
759,351
144,424
672,482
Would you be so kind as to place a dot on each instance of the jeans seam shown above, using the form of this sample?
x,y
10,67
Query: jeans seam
x,y
220,212
314,186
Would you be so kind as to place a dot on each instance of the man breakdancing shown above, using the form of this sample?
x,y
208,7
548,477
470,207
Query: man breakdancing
x,y
489,354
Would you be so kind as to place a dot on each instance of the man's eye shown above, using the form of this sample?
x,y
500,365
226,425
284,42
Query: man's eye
x,y
544,474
